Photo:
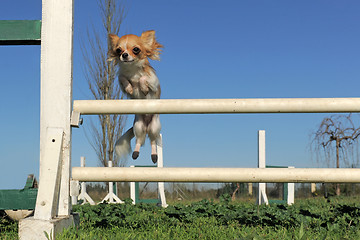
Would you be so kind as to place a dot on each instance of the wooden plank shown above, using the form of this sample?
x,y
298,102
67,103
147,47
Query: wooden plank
x,y
15,199
20,32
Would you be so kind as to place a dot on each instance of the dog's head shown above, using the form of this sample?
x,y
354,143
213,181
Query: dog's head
x,y
131,48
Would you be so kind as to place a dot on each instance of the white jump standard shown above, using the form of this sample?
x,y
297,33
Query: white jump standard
x,y
53,206
84,196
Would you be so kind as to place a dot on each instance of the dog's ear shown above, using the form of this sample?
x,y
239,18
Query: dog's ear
x,y
148,37
113,42
152,46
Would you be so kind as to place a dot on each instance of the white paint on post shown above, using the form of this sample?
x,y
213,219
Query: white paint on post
x,y
262,197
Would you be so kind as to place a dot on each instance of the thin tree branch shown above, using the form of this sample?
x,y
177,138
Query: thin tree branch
x,y
100,75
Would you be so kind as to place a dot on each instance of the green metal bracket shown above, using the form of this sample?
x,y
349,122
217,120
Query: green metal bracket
x,y
139,200
285,192
14,199
20,32
30,182
137,192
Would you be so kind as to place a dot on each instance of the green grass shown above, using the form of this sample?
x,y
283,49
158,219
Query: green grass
x,y
8,228
318,218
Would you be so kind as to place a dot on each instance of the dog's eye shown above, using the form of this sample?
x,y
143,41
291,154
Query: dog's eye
x,y
118,51
136,50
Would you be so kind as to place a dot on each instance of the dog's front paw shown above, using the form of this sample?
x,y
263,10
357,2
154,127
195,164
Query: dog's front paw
x,y
135,155
129,89
154,158
144,85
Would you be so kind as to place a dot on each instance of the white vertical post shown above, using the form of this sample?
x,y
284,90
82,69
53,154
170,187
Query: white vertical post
x,y
111,186
74,191
132,190
111,197
261,149
262,198
250,189
55,111
56,85
313,188
160,163
83,194
291,192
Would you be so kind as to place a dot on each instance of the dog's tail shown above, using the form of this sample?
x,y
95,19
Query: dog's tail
x,y
123,145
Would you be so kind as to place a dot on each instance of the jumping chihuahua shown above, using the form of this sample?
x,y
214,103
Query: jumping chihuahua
x,y
138,81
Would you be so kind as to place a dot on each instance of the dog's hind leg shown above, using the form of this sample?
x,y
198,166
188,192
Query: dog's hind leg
x,y
136,151
140,134
154,134
154,156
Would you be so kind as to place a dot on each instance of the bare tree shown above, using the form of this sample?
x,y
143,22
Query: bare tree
x,y
336,133
103,84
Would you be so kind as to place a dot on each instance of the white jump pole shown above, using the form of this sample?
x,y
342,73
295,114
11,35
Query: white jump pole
x,y
268,175
182,106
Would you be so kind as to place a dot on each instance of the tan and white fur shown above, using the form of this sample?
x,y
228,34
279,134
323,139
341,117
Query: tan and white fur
x,y
138,80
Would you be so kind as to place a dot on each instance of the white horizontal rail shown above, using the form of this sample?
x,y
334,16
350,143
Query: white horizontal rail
x,y
181,106
122,174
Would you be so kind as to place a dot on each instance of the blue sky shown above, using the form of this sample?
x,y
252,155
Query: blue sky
x,y
213,49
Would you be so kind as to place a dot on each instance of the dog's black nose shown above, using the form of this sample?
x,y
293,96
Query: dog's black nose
x,y
125,55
